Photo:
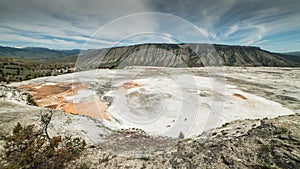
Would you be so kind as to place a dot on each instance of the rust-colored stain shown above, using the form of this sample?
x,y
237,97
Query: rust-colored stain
x,y
54,96
239,96
129,85
93,109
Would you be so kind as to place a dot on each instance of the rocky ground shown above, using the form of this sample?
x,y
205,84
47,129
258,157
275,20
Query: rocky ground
x,y
264,144
278,84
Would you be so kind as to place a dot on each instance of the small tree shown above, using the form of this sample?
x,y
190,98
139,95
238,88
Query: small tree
x,y
31,148
45,120
18,71
181,135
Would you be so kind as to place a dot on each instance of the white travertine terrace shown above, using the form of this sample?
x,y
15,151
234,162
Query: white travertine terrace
x,y
166,101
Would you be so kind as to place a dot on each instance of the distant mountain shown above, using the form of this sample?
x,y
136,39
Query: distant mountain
x,y
165,55
293,53
292,56
36,53
181,55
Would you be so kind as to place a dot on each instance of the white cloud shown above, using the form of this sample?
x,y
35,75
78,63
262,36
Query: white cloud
x,y
231,30
57,18
54,43
231,21
262,41
169,38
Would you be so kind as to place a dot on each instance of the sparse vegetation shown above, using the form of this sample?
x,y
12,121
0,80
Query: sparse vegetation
x,y
83,166
281,130
16,69
30,101
29,147
105,158
265,148
181,135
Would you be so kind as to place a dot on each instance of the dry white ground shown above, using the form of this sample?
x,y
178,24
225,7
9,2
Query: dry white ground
x,y
167,101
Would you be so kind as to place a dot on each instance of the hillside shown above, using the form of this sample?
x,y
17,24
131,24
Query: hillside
x,y
36,53
18,69
292,56
293,53
181,55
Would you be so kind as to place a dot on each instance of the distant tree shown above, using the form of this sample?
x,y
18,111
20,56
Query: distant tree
x,y
181,135
27,77
2,77
18,71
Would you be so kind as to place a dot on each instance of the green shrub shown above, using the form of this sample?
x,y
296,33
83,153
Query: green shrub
x,y
105,158
181,135
30,100
30,148
83,166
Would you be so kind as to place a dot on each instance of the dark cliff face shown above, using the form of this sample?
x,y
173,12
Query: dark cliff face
x,y
180,55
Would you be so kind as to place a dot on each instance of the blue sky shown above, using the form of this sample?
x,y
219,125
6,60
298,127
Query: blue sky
x,y
69,24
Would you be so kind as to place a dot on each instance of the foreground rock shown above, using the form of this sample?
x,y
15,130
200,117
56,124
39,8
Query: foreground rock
x,y
13,94
266,143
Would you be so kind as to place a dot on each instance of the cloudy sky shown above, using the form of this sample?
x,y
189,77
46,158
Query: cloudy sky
x,y
68,24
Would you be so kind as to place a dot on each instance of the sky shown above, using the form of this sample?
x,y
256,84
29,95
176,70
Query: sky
x,y
82,24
